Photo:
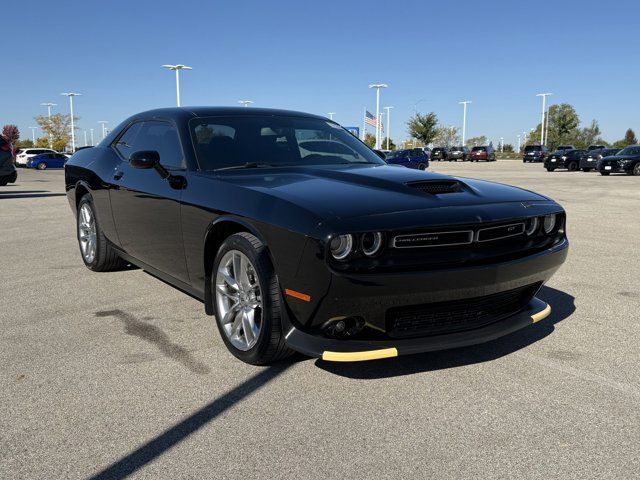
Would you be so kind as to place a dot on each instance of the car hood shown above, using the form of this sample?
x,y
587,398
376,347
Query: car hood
x,y
353,191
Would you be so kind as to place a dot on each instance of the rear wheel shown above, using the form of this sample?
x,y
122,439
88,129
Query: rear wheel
x,y
573,166
41,166
4,181
549,169
96,251
422,166
247,301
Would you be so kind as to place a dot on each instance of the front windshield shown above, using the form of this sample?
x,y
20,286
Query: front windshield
x,y
629,151
266,140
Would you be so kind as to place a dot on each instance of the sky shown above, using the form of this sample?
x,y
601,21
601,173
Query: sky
x,y
320,57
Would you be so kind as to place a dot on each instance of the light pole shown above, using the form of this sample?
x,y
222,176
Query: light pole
x,y
501,144
381,127
103,123
378,86
92,144
518,143
33,135
464,120
331,114
73,133
546,130
245,103
177,69
544,99
388,109
85,138
49,105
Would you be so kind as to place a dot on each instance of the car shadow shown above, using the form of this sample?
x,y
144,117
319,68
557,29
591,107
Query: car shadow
x,y
562,307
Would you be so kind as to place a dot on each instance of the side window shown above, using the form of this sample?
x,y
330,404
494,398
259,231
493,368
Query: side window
x,y
162,137
126,143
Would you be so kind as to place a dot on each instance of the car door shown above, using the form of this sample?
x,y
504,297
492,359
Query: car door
x,y
146,207
57,160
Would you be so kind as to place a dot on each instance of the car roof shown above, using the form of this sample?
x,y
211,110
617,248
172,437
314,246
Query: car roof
x,y
203,111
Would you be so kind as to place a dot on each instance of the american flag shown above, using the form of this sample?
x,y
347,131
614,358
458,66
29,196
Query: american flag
x,y
371,119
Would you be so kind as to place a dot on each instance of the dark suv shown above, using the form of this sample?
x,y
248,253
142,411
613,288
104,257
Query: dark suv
x,y
8,172
589,160
569,159
440,153
458,153
486,153
535,153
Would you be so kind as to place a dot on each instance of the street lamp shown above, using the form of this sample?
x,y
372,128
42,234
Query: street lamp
x,y
33,135
245,103
49,105
542,132
73,133
464,120
331,114
388,109
378,86
103,123
501,144
92,144
177,69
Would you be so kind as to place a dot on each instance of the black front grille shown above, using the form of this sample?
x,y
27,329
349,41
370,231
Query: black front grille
x,y
457,315
436,187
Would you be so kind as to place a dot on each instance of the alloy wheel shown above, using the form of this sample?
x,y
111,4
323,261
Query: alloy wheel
x,y
239,299
87,233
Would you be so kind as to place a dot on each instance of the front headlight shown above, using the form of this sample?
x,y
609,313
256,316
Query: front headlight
x,y
341,246
549,223
531,226
371,243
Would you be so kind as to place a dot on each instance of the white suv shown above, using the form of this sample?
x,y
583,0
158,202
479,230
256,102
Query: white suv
x,y
24,154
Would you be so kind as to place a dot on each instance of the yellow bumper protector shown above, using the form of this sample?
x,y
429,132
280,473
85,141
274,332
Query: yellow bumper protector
x,y
359,356
536,317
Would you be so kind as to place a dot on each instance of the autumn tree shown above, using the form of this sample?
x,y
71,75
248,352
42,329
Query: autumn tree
x,y
57,128
473,141
11,133
630,137
447,137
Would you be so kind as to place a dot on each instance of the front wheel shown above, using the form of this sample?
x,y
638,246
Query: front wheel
x,y
549,169
41,166
604,173
636,169
247,301
422,166
573,166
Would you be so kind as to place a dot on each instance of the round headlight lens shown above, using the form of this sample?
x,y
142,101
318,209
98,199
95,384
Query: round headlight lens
x,y
549,223
341,246
371,243
532,226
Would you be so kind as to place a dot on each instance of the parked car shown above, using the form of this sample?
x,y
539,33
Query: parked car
x,y
24,154
486,153
534,153
458,153
412,158
8,172
589,160
440,154
569,159
595,147
336,258
563,148
626,161
47,160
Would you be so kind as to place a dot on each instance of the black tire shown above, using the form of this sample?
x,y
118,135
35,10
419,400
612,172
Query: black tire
x,y
636,170
573,166
549,169
271,345
3,182
604,173
41,166
422,166
586,169
106,258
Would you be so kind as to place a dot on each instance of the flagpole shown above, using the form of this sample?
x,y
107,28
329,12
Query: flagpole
x,y
364,123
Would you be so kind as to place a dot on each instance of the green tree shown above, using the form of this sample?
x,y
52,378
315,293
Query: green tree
x,y
423,127
370,139
589,135
26,143
42,142
58,128
630,137
383,144
507,147
473,141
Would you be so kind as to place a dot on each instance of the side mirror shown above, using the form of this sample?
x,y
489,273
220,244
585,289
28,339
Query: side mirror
x,y
144,159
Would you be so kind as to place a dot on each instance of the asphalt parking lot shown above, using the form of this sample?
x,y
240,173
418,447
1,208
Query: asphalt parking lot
x,y
117,373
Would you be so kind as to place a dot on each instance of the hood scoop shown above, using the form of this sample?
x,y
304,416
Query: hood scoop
x,y
436,187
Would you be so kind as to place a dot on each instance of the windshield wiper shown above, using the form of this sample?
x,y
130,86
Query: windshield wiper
x,y
248,165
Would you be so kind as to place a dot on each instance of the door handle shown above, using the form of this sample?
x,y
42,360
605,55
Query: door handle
x,y
118,175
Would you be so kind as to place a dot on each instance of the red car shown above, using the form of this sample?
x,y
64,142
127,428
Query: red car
x,y
488,154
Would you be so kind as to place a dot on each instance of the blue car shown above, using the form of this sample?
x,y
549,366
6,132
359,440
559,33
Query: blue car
x,y
412,158
47,160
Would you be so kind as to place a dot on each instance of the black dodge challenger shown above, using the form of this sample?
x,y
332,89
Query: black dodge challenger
x,y
327,251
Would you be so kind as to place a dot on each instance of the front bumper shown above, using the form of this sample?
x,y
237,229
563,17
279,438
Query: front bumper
x,y
370,296
584,163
